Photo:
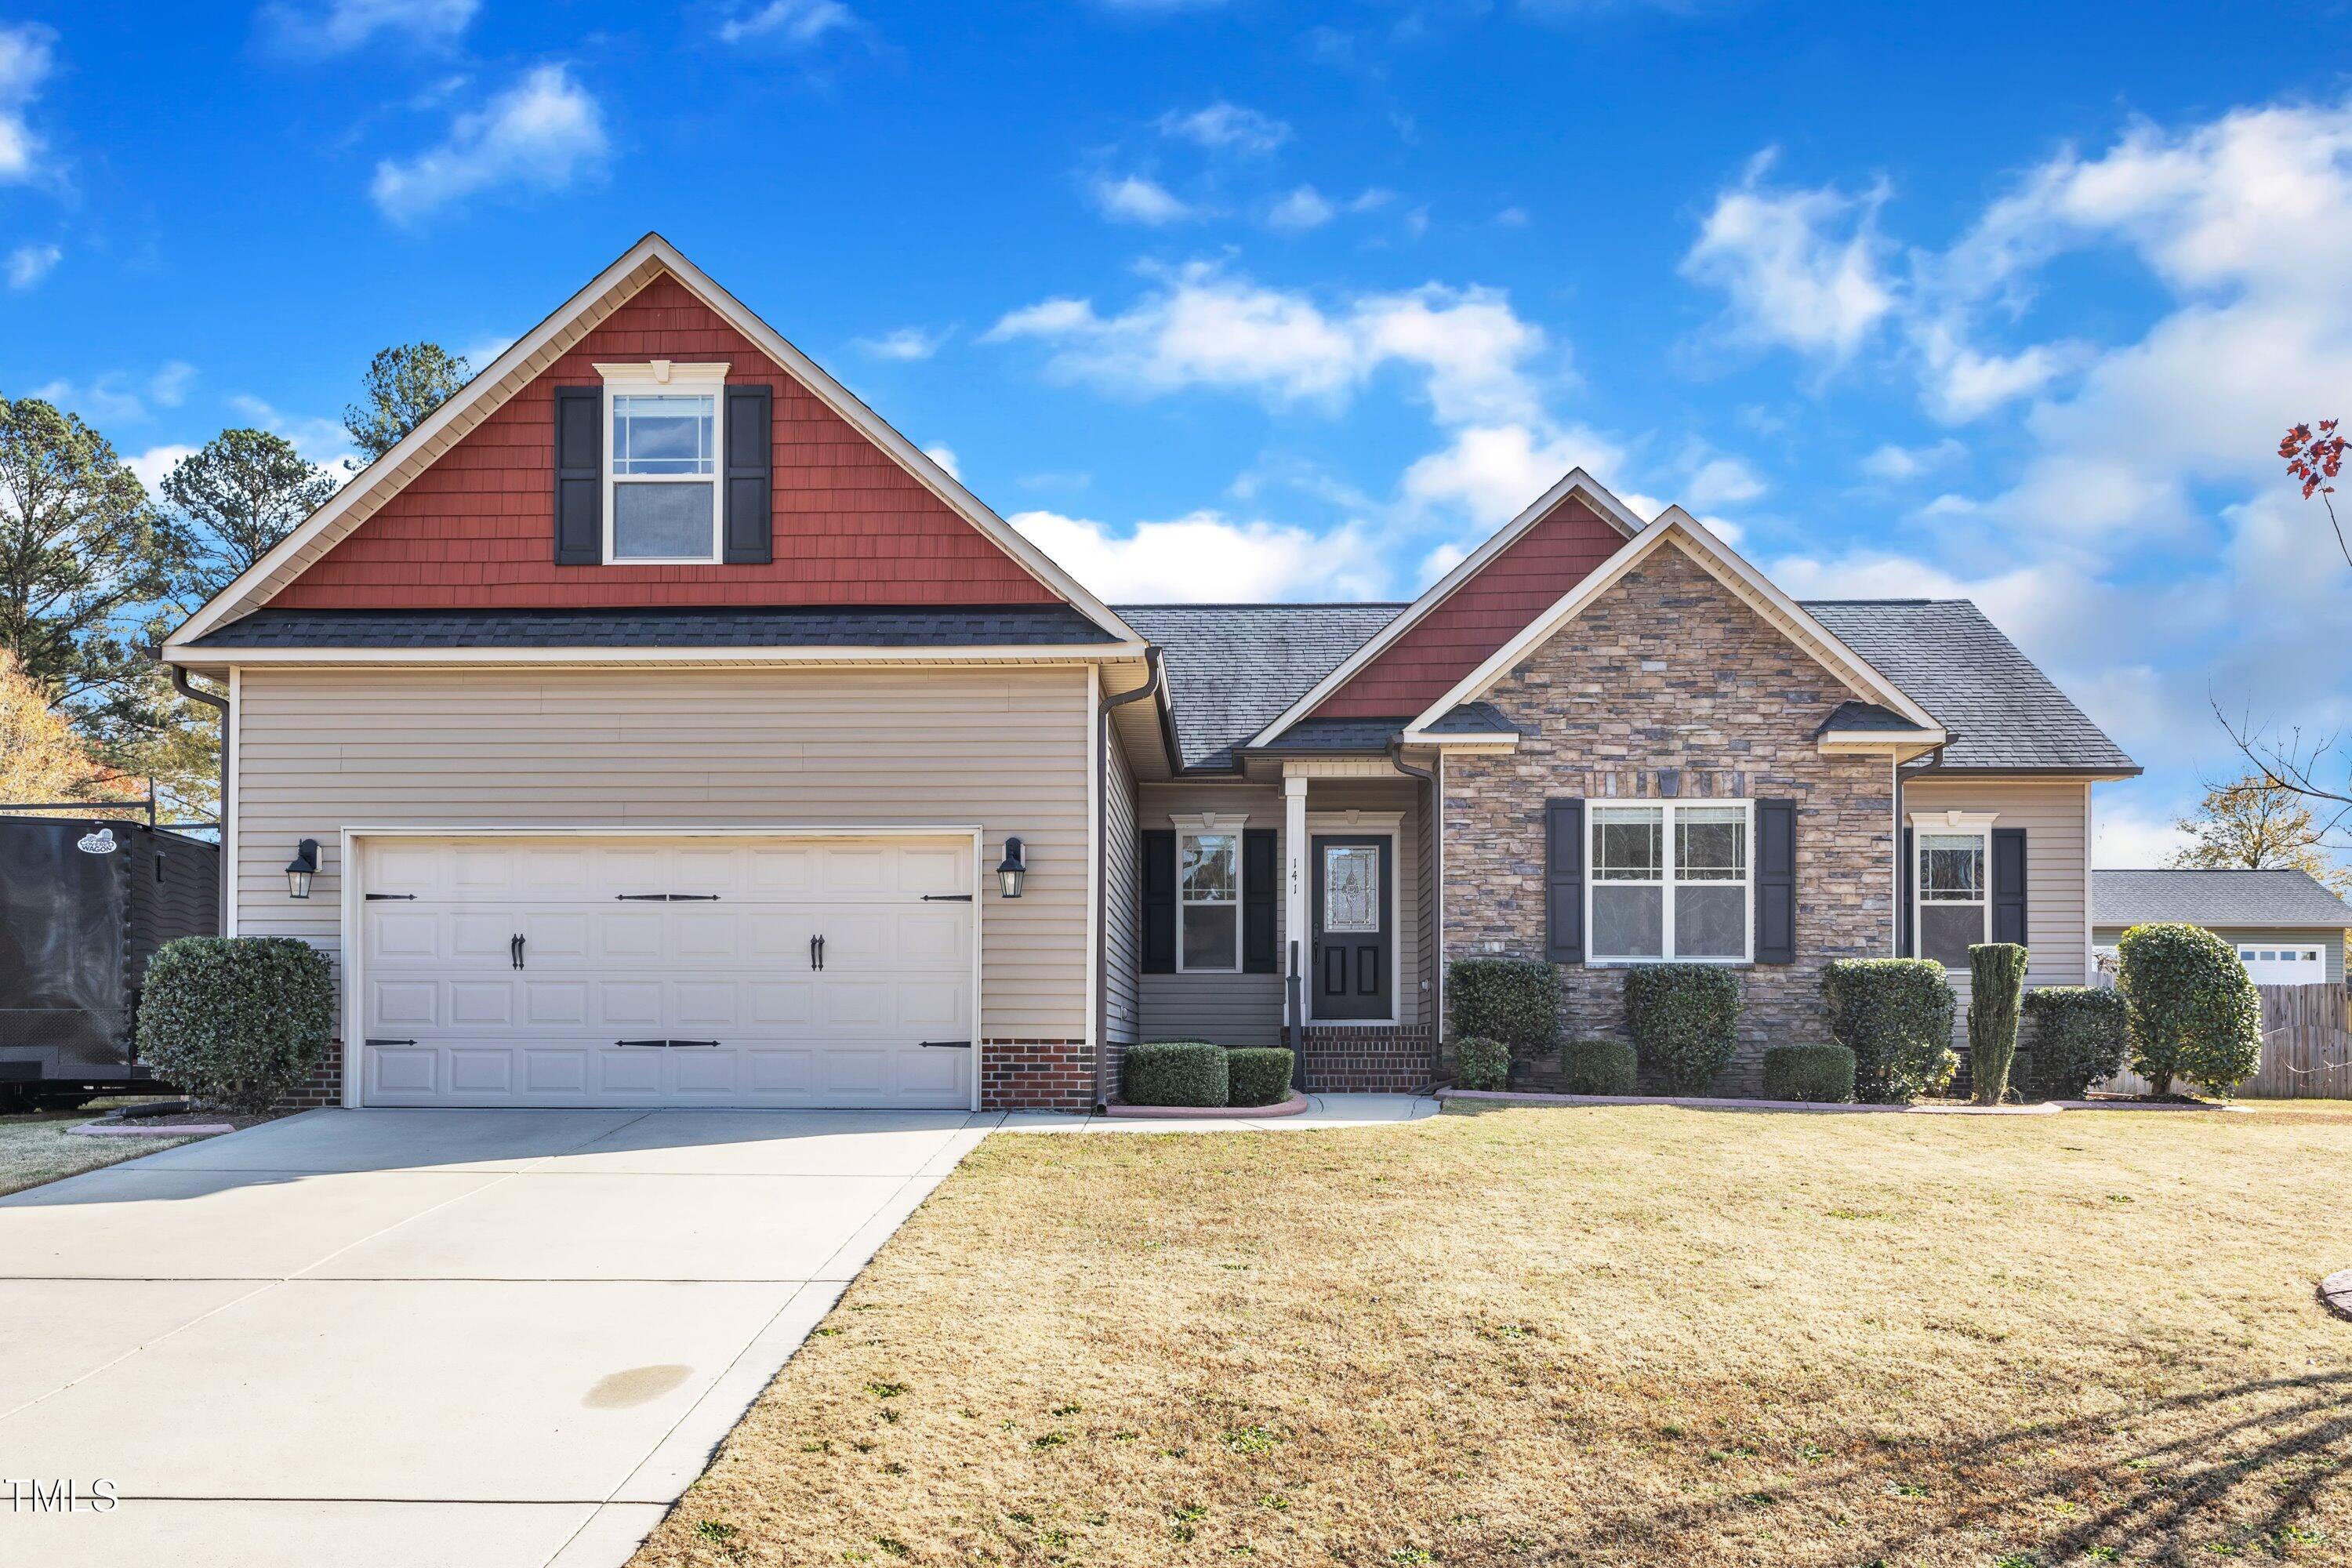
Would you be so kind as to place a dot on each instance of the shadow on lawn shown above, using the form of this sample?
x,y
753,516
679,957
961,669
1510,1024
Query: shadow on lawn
x,y
2146,1497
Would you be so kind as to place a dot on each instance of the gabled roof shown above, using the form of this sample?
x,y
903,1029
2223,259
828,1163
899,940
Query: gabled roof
x,y
1576,482
649,258
2216,897
1677,528
1021,625
2003,713
1232,667
1480,719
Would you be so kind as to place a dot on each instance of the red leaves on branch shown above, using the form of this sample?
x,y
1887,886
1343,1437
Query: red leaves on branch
x,y
2313,459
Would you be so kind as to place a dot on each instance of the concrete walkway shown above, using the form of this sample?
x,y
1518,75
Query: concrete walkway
x,y
478,1339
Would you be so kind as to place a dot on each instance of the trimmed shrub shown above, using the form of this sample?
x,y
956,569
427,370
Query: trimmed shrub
x,y
1821,1074
1258,1074
1996,988
1514,1000
1177,1072
1895,1015
2081,1035
2191,1010
237,1020
1482,1063
1596,1066
1685,1020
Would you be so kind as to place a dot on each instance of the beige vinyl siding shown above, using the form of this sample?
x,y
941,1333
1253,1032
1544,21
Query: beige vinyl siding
x,y
2329,942
322,751
1247,1009
1122,865
2057,865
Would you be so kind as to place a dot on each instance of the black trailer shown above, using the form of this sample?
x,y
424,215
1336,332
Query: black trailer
x,y
84,904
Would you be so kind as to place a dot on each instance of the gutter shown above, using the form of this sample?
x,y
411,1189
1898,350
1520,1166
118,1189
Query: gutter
x,y
1151,688
1436,820
197,693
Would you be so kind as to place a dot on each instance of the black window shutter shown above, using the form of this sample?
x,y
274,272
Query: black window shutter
x,y
751,497
578,476
1903,948
1564,881
1776,881
1259,879
2009,885
1159,903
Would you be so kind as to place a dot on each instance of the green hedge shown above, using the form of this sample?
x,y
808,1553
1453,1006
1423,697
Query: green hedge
x,y
1514,1000
1822,1074
2081,1035
2192,1011
1482,1063
1597,1066
1259,1074
1685,1020
1177,1072
1895,1015
241,1021
1996,988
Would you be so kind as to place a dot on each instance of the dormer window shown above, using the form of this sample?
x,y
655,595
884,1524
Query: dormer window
x,y
663,459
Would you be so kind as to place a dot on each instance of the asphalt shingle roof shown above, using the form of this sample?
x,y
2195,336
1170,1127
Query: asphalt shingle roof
x,y
1945,656
1232,669
1051,624
2215,899
1862,716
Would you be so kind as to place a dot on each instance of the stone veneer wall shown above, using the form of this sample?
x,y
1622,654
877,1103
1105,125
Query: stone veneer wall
x,y
1670,688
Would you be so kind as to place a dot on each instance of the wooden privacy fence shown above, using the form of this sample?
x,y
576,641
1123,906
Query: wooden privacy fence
x,y
2307,1048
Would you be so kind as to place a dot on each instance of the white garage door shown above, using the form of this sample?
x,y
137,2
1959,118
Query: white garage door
x,y
2275,963
655,972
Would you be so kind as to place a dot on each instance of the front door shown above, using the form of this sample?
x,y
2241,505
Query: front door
x,y
1354,975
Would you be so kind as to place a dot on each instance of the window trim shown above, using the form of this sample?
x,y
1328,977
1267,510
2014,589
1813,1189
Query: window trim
x,y
1596,811
1209,827
1951,824
667,378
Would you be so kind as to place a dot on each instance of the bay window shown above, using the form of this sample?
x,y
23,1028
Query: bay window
x,y
1670,879
1209,902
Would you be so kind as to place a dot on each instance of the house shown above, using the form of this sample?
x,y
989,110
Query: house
x,y
656,725
2287,929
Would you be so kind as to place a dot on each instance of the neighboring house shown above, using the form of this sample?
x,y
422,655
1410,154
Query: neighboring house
x,y
2287,929
662,719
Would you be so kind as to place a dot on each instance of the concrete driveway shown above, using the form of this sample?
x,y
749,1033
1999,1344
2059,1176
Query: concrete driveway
x,y
474,1338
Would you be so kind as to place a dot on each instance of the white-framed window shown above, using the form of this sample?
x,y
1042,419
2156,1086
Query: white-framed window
x,y
663,431
1209,901
1951,886
1670,879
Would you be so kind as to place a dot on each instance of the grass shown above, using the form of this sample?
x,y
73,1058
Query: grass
x,y
36,1147
1623,1335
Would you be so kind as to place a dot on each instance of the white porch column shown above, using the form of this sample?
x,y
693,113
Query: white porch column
x,y
1295,916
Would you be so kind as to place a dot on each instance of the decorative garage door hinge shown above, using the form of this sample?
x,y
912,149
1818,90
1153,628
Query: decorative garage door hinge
x,y
372,897
946,1044
947,898
666,1045
666,898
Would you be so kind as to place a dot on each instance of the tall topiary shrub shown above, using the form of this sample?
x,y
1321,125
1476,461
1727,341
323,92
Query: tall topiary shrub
x,y
1514,1000
1996,990
2191,1010
2080,1036
1895,1015
1685,1020
241,1021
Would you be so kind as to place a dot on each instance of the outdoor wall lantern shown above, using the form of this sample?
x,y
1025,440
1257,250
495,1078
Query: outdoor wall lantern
x,y
1009,872
301,869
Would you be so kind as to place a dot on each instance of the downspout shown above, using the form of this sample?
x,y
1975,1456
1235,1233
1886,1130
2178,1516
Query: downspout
x,y
1150,688
197,693
1436,978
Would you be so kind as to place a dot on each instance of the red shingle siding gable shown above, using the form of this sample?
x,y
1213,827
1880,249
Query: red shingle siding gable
x,y
477,528
1526,578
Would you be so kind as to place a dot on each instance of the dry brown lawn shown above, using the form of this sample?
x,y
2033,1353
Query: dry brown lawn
x,y
1592,1335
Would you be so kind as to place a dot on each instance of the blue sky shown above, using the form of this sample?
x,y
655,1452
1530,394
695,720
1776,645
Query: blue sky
x,y
1250,300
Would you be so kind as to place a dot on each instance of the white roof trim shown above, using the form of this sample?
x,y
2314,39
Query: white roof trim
x,y
1613,510
746,653
1723,563
527,357
1506,740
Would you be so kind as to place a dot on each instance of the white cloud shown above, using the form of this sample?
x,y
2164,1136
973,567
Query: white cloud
x,y
1135,199
169,386
2127,837
1302,209
1206,555
903,343
25,61
1204,328
152,464
1896,464
118,397
1802,267
28,264
1226,128
321,441
945,458
1512,218
543,133
1963,382
1490,473
792,24
1720,481
343,25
